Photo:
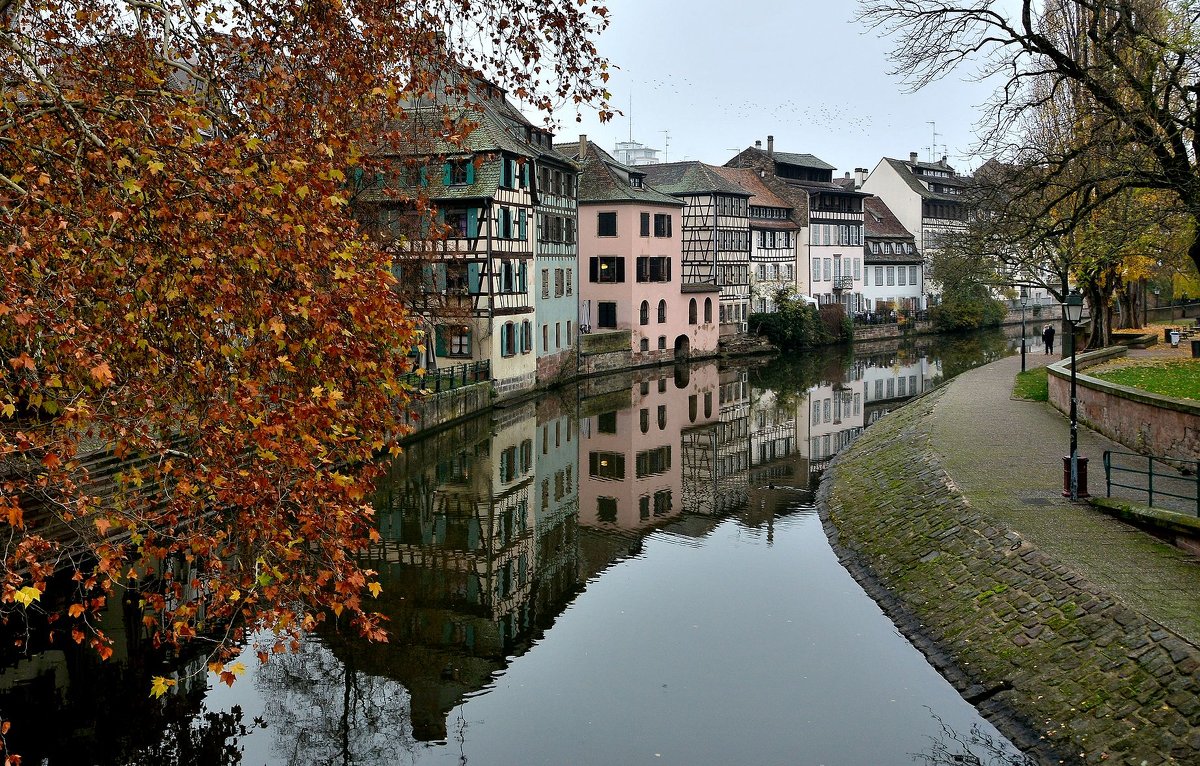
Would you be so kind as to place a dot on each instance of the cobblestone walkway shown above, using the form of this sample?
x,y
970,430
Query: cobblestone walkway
x,y
1074,633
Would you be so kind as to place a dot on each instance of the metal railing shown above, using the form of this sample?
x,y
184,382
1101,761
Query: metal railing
x,y
1176,474
843,283
448,378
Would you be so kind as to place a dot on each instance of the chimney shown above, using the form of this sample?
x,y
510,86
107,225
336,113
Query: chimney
x,y
847,175
943,160
912,158
757,144
582,146
860,177
770,146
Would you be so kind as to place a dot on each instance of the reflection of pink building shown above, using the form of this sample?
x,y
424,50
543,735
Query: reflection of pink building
x,y
631,460
629,250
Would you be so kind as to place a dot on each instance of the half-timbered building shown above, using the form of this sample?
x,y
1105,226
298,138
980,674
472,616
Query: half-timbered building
x,y
832,242
715,234
774,239
469,262
928,198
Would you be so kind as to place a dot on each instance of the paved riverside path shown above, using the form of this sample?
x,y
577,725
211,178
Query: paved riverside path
x,y
1006,454
1074,633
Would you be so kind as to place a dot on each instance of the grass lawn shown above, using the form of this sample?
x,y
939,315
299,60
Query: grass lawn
x,y
1032,385
1179,379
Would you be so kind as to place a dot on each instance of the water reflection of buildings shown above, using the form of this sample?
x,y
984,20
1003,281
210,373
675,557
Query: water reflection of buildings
x,y
890,379
478,535
717,452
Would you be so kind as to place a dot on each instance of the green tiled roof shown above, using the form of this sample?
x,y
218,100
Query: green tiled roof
x,y
603,179
690,178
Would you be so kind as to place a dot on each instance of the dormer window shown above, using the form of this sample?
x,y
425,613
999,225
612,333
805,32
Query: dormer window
x,y
635,182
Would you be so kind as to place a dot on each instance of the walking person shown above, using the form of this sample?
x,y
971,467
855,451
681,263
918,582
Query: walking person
x,y
1048,338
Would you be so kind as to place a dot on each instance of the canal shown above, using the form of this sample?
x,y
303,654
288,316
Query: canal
x,y
632,571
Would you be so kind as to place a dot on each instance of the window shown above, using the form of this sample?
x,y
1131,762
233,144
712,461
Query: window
x,y
546,283
900,275
645,225
891,275
607,269
816,269
662,225
644,419
653,461
508,339
606,509
662,502
558,334
460,341
545,337
644,313
526,336
508,171
875,248
828,269
569,230
644,345
607,311
644,507
878,276
912,274
789,271
558,283
708,310
662,311
606,224
653,269
692,311
459,172
606,422
662,343
858,268
606,465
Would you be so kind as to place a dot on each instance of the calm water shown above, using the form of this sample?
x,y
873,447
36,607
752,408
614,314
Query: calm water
x,y
628,573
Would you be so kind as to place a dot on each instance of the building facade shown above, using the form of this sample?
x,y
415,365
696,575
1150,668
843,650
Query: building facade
x,y
894,275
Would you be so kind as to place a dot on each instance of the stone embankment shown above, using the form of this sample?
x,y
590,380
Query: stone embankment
x,y
1065,669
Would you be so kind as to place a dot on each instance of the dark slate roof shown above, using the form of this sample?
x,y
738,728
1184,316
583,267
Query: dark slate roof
x,y
802,160
690,178
603,179
881,222
891,259
749,180
904,169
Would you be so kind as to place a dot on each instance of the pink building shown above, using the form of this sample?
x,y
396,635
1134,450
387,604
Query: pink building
x,y
629,252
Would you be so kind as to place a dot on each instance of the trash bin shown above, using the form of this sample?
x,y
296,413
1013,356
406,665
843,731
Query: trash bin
x,y
1175,335
1167,334
1082,485
1196,348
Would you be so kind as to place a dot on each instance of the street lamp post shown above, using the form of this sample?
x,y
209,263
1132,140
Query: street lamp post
x,y
1073,311
1024,302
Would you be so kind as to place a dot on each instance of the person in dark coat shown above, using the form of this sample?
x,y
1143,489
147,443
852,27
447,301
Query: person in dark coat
x,y
1048,338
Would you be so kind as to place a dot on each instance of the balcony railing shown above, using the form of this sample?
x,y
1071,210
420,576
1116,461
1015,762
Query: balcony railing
x,y
447,378
843,283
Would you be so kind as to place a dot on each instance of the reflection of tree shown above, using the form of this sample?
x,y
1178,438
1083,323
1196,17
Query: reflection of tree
x,y
211,741
976,748
325,712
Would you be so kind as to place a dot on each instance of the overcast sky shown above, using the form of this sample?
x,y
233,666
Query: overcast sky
x,y
719,75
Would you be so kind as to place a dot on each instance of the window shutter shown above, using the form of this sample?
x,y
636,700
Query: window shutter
x,y
645,221
439,343
426,276
620,269
525,175
473,278
447,173
470,171
523,277
439,276
472,221
668,265
522,222
594,269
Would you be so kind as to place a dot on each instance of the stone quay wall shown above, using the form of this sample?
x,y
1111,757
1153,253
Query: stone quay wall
x,y
1067,672
1144,422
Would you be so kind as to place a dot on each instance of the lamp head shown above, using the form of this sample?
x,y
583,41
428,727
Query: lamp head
x,y
1073,307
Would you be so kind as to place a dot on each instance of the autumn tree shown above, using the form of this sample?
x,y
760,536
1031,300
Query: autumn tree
x,y
200,348
1130,67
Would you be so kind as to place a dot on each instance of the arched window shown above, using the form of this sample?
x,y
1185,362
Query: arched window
x,y
692,311
662,311
708,311
645,346
644,314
